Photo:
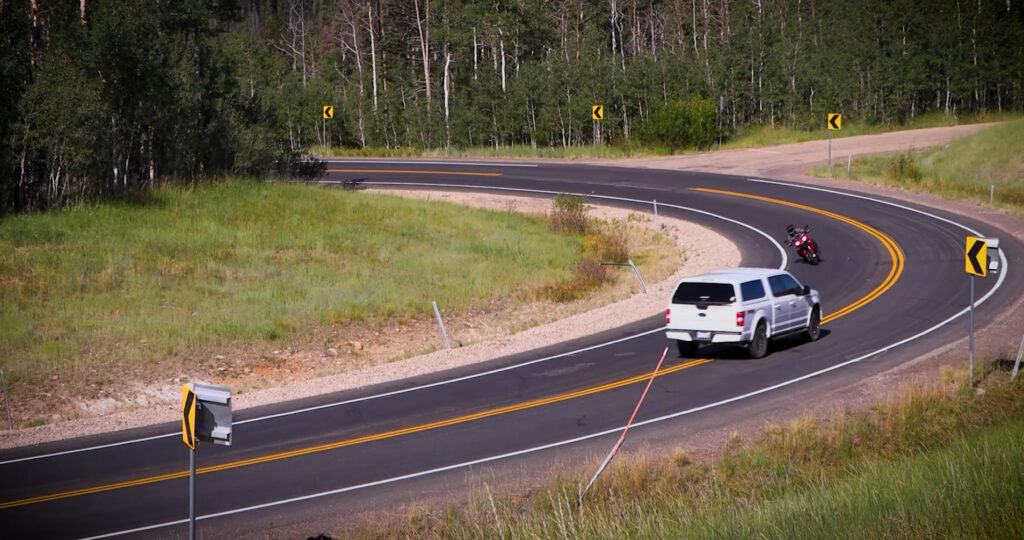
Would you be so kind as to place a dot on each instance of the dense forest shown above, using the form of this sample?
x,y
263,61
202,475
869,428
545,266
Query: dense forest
x,y
101,97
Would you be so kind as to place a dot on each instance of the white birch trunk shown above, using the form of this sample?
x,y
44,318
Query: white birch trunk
x,y
424,31
447,85
501,40
373,53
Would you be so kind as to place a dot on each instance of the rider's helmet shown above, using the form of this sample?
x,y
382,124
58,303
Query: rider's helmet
x,y
790,230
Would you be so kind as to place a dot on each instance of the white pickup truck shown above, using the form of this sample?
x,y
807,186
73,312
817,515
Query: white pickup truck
x,y
745,306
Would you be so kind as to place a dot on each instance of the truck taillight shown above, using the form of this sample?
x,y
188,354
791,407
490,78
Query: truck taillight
x,y
739,318
668,316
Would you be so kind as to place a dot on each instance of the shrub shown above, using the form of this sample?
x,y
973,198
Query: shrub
x,y
685,123
569,214
610,245
587,275
903,166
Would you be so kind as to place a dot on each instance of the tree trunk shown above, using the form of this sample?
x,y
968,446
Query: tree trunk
x,y
373,52
424,31
35,46
501,40
447,93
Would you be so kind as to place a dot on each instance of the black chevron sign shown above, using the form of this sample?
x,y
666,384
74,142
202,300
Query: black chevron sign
x,y
976,256
835,121
597,112
188,416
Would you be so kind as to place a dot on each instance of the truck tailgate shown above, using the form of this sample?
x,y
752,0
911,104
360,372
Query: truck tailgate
x,y
692,317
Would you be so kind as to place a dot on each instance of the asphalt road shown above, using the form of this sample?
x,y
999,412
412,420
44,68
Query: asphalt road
x,y
889,274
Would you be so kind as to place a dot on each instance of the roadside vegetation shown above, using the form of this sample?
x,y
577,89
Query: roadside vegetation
x,y
130,290
989,163
657,144
941,461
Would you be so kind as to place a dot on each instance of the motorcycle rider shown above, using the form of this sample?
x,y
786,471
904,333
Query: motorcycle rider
x,y
793,233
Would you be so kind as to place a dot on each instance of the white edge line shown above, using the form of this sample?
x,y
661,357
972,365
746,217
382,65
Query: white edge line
x,y
404,162
536,448
447,381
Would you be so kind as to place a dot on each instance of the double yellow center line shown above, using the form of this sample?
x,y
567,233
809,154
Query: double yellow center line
x,y
358,440
895,253
894,272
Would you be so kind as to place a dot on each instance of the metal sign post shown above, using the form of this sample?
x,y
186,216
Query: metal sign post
x,y
328,115
205,416
975,264
834,123
830,153
191,494
970,361
188,436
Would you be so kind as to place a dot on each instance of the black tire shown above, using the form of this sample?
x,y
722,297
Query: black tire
x,y
687,349
758,346
813,331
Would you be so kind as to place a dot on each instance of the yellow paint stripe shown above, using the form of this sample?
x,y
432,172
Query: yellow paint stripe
x,y
894,273
447,173
357,440
895,253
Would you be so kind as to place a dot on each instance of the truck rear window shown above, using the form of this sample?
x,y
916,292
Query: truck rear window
x,y
704,293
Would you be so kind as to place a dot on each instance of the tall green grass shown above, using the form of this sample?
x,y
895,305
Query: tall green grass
x,y
936,463
967,168
238,262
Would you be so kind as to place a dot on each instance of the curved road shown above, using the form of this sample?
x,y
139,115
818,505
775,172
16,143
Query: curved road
x,y
890,274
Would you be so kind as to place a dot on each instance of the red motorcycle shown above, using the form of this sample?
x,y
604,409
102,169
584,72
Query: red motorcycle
x,y
805,246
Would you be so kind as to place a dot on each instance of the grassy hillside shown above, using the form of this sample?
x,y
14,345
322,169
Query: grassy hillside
x,y
967,168
99,293
941,462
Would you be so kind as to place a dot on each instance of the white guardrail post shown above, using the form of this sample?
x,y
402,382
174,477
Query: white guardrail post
x,y
7,402
444,333
637,272
1020,352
